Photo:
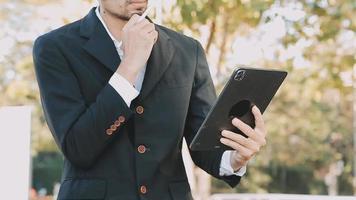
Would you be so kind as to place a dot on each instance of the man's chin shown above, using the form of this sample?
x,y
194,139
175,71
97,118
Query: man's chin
x,y
138,12
128,15
123,17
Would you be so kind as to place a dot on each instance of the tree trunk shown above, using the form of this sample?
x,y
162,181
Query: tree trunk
x,y
211,35
223,46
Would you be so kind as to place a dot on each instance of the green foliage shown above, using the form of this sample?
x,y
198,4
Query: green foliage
x,y
310,119
46,171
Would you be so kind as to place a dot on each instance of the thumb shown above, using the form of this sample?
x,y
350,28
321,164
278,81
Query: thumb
x,y
133,20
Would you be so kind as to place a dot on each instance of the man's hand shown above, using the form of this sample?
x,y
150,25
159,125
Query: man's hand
x,y
138,39
245,148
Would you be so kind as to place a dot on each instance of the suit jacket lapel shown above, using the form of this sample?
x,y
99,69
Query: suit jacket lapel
x,y
99,43
158,62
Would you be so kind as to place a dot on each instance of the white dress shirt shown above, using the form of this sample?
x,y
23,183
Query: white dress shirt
x,y
128,93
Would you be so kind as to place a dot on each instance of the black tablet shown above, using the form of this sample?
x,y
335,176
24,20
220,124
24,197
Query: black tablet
x,y
245,88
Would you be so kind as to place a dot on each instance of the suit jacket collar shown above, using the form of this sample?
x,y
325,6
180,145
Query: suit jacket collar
x,y
100,46
99,43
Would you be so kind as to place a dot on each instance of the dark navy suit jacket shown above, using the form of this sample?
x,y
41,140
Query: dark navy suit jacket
x,y
113,151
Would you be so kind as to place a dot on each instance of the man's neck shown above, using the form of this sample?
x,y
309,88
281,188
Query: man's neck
x,y
113,23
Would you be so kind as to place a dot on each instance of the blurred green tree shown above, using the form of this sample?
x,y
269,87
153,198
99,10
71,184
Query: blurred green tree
x,y
310,119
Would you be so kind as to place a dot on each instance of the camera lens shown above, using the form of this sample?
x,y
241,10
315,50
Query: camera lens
x,y
239,75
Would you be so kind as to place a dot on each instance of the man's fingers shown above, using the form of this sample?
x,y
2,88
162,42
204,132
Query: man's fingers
x,y
235,137
148,28
155,35
141,24
259,122
245,128
246,142
152,36
255,135
245,153
247,147
134,22
261,139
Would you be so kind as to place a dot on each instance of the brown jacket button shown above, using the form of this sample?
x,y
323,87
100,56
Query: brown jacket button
x,y
143,189
141,149
109,131
113,127
117,123
139,109
121,119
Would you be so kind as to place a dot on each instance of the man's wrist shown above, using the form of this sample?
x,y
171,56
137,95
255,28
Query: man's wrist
x,y
236,164
123,88
226,166
125,71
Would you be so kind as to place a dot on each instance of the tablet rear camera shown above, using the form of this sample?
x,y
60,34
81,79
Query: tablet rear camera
x,y
240,75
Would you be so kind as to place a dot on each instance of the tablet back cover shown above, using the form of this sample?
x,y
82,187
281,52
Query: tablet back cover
x,y
245,88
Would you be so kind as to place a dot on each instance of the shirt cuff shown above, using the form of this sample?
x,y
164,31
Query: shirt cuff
x,y
226,168
124,88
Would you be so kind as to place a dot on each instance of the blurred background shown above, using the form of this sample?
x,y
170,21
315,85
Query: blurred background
x,y
311,121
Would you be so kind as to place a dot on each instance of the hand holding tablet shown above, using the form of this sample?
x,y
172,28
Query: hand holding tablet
x,y
246,87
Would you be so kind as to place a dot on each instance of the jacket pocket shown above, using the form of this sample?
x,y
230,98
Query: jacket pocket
x,y
82,189
180,190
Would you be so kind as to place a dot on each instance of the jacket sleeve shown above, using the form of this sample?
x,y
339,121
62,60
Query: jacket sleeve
x,y
78,129
202,99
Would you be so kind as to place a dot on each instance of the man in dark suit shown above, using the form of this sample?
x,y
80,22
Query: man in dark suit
x,y
119,95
